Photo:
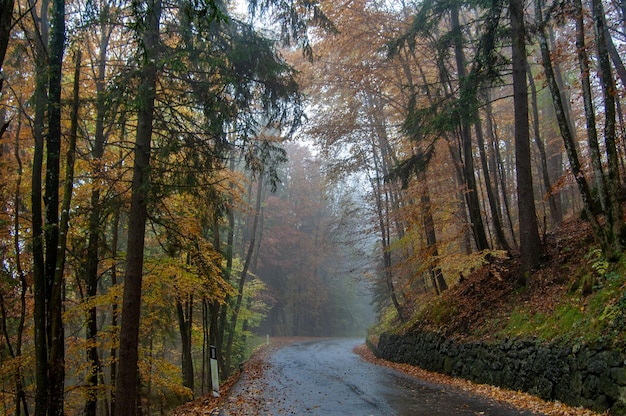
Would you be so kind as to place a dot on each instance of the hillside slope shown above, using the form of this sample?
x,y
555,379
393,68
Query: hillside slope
x,y
575,296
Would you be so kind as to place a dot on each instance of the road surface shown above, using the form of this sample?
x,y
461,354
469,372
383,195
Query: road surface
x,y
324,377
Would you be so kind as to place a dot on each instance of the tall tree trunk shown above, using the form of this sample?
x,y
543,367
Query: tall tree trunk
x,y
617,227
222,310
54,270
385,245
57,351
545,173
592,136
92,259
530,243
244,273
14,344
473,202
564,127
20,394
491,196
496,166
431,237
127,388
39,270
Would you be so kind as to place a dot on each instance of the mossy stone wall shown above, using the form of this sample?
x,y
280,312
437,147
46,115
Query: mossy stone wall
x,y
580,375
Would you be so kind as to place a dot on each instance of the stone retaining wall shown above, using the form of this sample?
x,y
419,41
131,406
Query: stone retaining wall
x,y
580,375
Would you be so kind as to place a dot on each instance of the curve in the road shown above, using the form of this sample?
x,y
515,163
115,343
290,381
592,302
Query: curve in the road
x,y
324,377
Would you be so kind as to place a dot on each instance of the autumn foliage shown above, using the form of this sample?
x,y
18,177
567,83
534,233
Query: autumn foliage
x,y
156,201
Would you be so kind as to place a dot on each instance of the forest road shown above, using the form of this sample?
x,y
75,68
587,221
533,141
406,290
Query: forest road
x,y
324,377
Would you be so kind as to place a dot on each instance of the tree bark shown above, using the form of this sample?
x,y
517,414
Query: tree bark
x,y
491,196
473,202
39,270
592,135
496,166
184,311
6,24
127,388
616,228
530,243
53,269
92,260
566,133
244,273
555,217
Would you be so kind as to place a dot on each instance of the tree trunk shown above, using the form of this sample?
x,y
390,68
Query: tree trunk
x,y
244,273
127,388
616,230
14,344
431,237
114,307
473,202
93,245
599,178
496,166
57,349
184,311
54,270
545,173
491,196
566,133
39,271
20,394
530,243
6,24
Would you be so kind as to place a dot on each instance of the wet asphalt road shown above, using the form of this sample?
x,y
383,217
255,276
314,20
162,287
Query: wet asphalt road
x,y
324,377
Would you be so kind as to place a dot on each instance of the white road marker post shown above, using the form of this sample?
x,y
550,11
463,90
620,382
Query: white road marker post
x,y
215,379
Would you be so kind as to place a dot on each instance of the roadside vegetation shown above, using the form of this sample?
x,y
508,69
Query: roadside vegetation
x,y
574,296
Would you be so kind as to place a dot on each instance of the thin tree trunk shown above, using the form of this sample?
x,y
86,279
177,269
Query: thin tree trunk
x,y
431,237
385,242
473,202
20,394
15,350
616,227
93,245
566,133
244,273
495,165
592,136
39,270
114,308
491,196
57,351
184,311
545,175
54,263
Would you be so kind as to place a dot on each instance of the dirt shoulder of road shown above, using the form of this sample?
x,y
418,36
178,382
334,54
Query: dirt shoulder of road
x,y
254,368
520,400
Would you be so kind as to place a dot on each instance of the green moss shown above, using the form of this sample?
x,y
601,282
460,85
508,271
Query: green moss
x,y
442,311
601,314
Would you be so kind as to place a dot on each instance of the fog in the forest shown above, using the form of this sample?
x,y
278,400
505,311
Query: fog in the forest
x,y
313,258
